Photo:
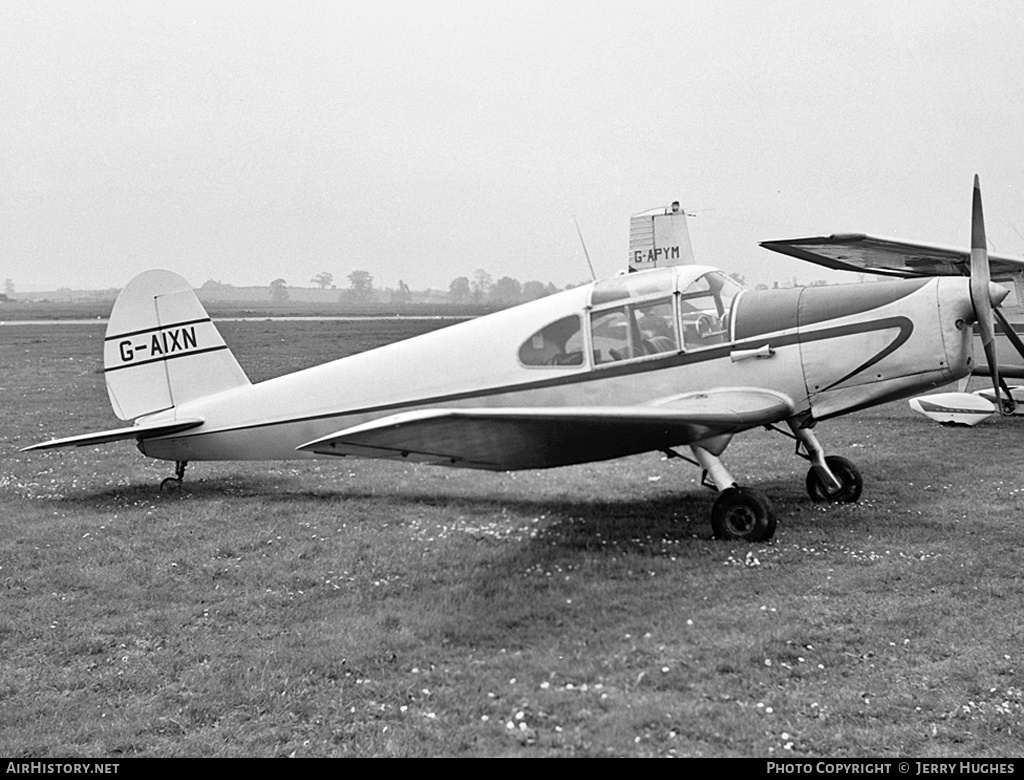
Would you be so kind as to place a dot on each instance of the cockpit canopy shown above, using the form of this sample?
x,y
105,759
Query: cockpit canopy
x,y
639,315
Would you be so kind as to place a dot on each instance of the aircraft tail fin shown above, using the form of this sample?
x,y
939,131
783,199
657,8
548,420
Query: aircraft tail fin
x,y
659,238
162,349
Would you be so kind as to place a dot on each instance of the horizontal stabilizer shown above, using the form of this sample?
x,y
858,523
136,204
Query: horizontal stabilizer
x,y
143,431
525,438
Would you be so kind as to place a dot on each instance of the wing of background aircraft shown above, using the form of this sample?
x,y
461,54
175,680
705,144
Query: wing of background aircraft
x,y
889,256
518,438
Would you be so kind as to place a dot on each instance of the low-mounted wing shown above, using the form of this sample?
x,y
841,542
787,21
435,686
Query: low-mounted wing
x,y
502,439
889,256
142,431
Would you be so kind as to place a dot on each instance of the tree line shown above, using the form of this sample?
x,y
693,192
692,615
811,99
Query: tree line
x,y
481,289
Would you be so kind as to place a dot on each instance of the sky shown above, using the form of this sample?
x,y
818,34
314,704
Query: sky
x,y
420,141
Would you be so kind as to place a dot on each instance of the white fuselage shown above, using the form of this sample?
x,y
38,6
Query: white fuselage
x,y
829,349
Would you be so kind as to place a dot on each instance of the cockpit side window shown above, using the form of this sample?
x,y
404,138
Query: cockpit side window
x,y
612,335
705,307
634,330
657,324
557,344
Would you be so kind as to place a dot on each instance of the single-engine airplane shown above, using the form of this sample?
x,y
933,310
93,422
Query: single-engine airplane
x,y
897,258
639,362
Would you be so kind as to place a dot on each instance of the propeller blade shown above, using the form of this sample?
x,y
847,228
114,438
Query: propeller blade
x,y
981,279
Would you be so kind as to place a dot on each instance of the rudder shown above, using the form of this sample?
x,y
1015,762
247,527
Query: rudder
x,y
162,349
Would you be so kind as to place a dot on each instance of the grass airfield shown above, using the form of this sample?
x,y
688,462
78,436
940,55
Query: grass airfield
x,y
361,608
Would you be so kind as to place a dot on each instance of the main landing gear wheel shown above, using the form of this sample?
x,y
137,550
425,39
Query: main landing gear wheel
x,y
742,513
851,482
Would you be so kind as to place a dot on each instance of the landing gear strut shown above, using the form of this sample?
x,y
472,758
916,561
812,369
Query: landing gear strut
x,y
738,512
850,482
745,513
173,484
831,478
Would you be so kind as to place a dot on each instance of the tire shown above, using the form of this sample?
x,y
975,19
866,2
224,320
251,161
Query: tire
x,y
849,476
742,513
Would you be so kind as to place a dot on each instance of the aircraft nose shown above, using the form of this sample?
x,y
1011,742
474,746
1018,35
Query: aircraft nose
x,y
997,293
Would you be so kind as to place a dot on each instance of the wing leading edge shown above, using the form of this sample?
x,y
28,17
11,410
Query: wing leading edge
x,y
889,256
505,439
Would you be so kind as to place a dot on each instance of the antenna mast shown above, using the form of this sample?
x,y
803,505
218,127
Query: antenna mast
x,y
586,254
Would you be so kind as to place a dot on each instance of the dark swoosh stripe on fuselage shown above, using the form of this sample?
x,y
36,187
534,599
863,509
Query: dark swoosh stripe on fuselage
x,y
906,327
615,370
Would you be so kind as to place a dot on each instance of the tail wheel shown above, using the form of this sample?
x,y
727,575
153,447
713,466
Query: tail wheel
x,y
173,484
742,513
851,483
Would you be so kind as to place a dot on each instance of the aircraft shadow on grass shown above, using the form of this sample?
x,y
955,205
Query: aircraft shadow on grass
x,y
595,523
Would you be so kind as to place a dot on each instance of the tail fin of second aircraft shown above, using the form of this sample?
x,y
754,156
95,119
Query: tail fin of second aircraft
x,y
162,349
659,237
